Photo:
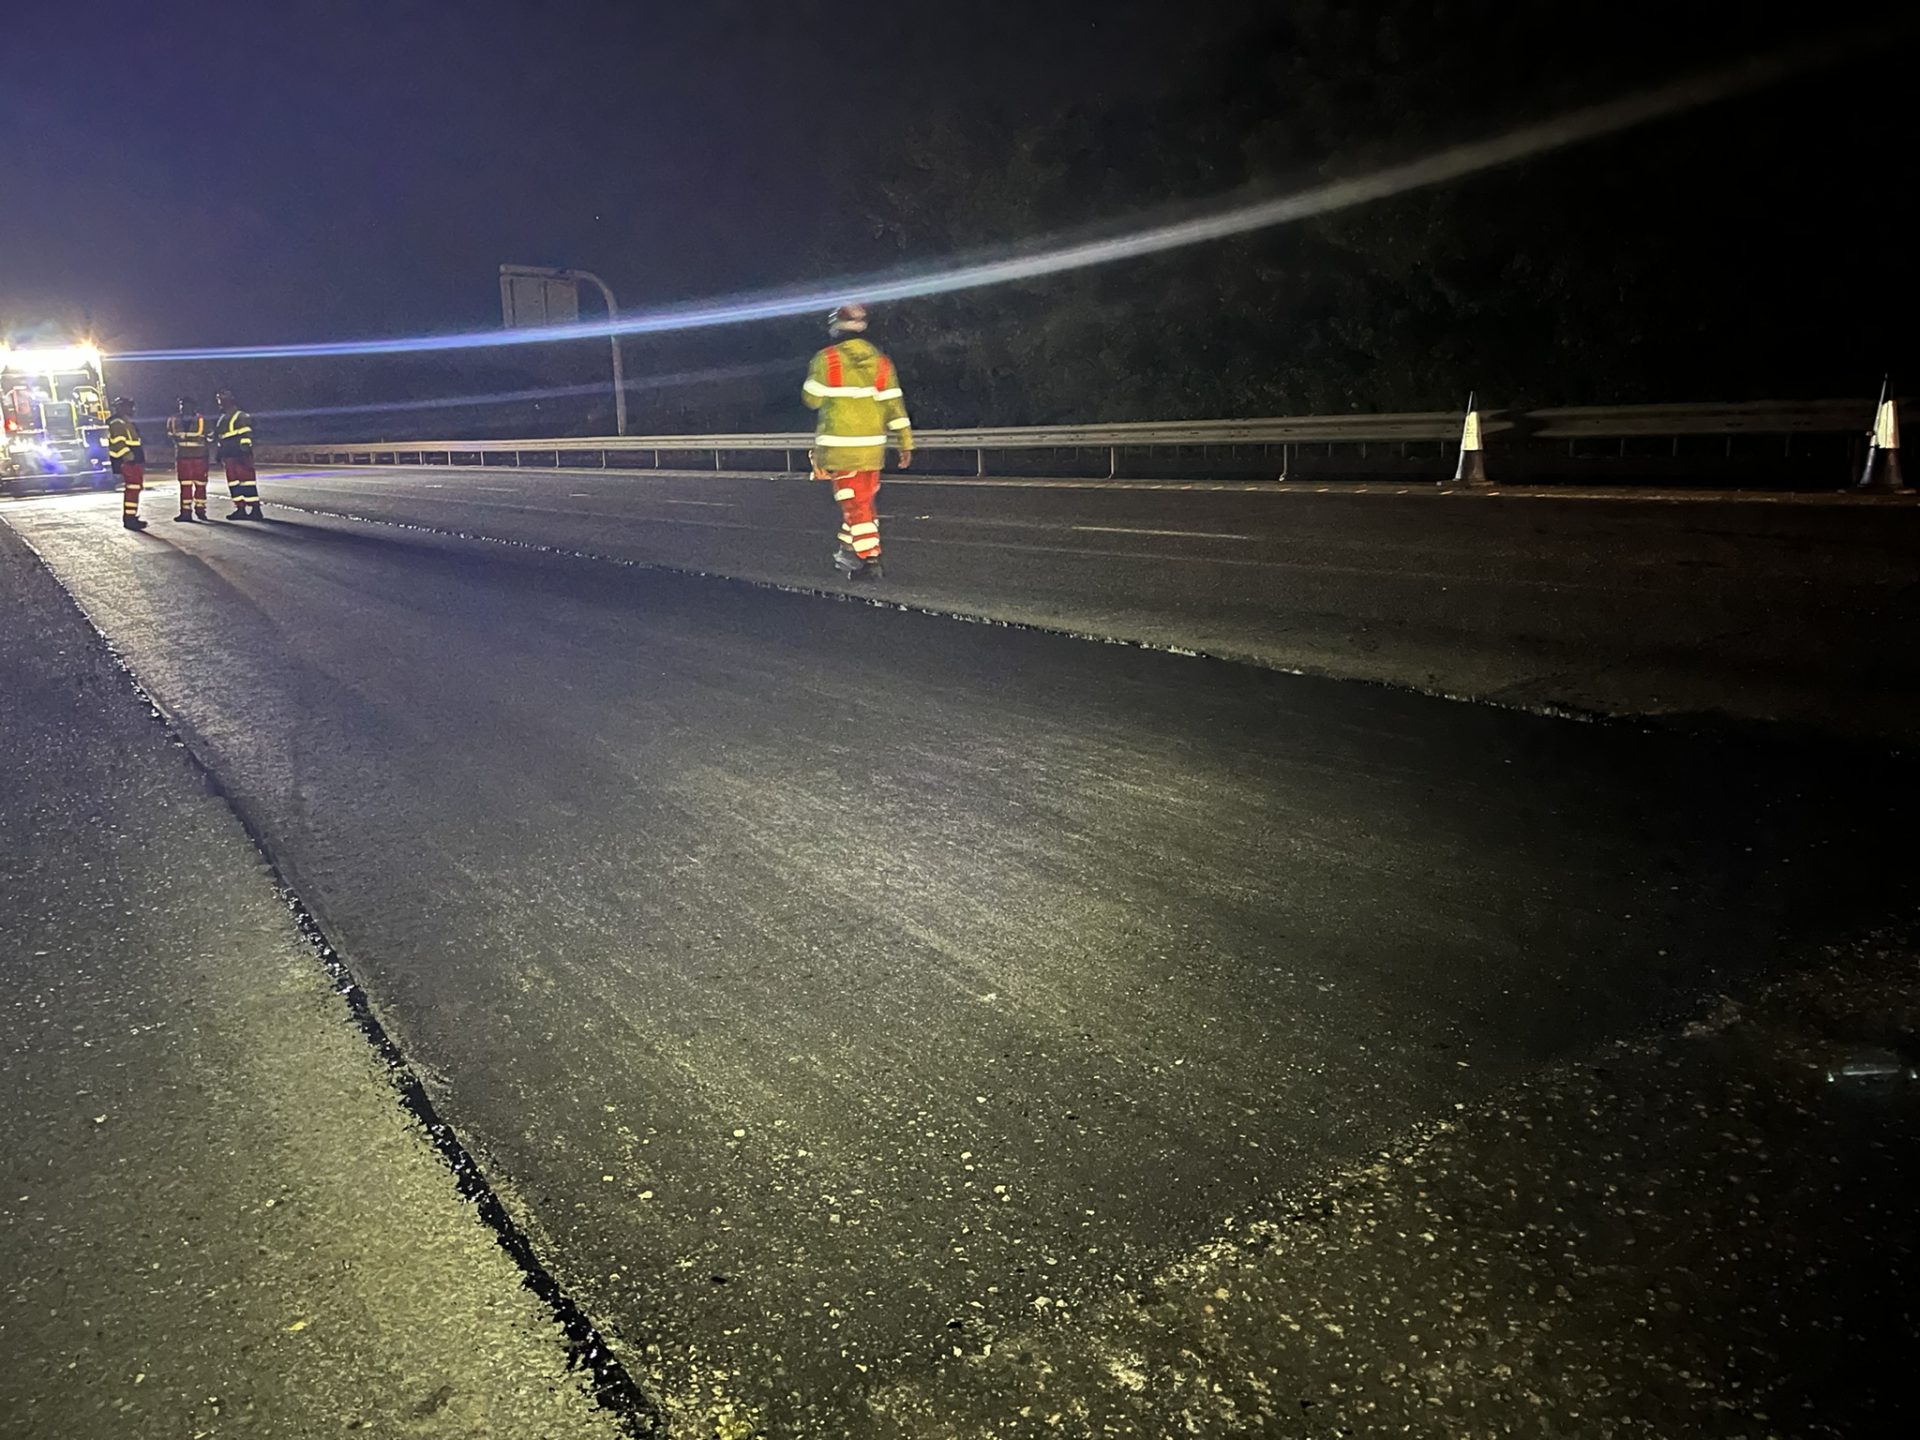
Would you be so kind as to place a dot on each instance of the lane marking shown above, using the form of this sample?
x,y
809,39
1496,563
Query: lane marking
x,y
1178,534
1440,487
1085,552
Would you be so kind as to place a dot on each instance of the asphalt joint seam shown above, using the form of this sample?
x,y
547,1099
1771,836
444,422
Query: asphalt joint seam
x,y
613,1388
1698,726
1548,710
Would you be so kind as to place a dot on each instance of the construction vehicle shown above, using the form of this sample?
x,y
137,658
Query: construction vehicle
x,y
53,409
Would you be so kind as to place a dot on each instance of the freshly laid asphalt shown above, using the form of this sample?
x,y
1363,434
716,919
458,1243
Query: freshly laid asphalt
x,y
1795,609
837,992
215,1217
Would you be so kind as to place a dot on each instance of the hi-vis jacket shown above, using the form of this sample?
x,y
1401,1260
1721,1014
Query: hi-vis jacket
x,y
123,443
189,436
233,432
857,392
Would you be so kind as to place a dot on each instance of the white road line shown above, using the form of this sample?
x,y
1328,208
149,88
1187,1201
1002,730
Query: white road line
x,y
1439,487
1177,534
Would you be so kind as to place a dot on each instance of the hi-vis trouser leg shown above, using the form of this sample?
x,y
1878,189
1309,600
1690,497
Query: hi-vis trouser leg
x,y
859,522
193,486
133,475
242,484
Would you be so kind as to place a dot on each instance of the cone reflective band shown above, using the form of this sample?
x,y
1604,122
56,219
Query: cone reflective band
x,y
1472,469
1882,471
1886,427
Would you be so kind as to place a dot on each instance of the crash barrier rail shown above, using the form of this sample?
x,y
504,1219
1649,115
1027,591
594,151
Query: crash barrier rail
x,y
1811,443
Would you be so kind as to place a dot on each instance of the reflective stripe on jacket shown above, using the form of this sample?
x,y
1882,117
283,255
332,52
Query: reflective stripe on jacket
x,y
189,436
233,431
123,441
857,392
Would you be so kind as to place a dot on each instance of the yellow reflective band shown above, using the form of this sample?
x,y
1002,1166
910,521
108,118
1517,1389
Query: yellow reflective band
x,y
814,387
850,440
865,527
894,394
903,423
843,494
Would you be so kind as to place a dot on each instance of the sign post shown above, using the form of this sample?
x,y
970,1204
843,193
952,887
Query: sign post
x,y
532,296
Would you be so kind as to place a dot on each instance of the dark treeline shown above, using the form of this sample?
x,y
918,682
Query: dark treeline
x,y
1752,248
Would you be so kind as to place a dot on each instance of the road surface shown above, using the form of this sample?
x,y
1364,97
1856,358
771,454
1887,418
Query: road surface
x,y
1793,609
833,988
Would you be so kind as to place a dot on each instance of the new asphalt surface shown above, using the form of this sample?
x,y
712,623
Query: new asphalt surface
x,y
837,991
1677,605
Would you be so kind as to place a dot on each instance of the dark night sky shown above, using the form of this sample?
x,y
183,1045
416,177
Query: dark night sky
x,y
220,172
306,170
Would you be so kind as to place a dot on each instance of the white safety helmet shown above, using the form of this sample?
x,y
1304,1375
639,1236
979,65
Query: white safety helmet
x,y
847,320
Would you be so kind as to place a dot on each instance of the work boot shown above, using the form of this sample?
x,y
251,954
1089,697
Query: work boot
x,y
186,515
239,512
255,514
133,522
848,563
873,571
201,514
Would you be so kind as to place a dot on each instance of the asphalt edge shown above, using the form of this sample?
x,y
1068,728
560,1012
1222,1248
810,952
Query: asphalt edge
x,y
613,1388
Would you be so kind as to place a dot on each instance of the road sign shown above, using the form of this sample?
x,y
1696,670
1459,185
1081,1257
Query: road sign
x,y
532,296
537,297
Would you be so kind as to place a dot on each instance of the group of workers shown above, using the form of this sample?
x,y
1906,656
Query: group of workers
x,y
230,434
853,386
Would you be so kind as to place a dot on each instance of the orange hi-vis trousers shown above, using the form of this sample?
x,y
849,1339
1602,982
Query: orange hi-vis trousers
x,y
133,475
856,491
193,484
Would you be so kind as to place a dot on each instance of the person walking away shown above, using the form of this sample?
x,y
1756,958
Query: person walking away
x,y
188,430
128,457
233,434
856,390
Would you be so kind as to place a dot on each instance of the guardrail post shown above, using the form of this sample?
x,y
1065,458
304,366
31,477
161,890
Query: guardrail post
x,y
979,462
1113,461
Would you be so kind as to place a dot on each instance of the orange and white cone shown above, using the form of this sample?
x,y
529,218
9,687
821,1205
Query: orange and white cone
x,y
1882,470
1472,469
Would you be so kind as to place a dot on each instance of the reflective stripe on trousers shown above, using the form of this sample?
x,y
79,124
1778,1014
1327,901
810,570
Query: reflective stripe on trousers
x,y
192,475
242,484
859,523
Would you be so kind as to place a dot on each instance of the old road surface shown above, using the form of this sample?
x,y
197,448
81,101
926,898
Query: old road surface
x,y
836,992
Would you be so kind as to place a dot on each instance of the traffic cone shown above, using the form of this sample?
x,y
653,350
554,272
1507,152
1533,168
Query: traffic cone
x,y
1472,469
1882,470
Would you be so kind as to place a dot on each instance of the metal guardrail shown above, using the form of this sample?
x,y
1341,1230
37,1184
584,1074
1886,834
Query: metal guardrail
x,y
1325,443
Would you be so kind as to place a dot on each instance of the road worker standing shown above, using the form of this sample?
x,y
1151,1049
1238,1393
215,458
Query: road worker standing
x,y
857,392
129,460
188,430
233,434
